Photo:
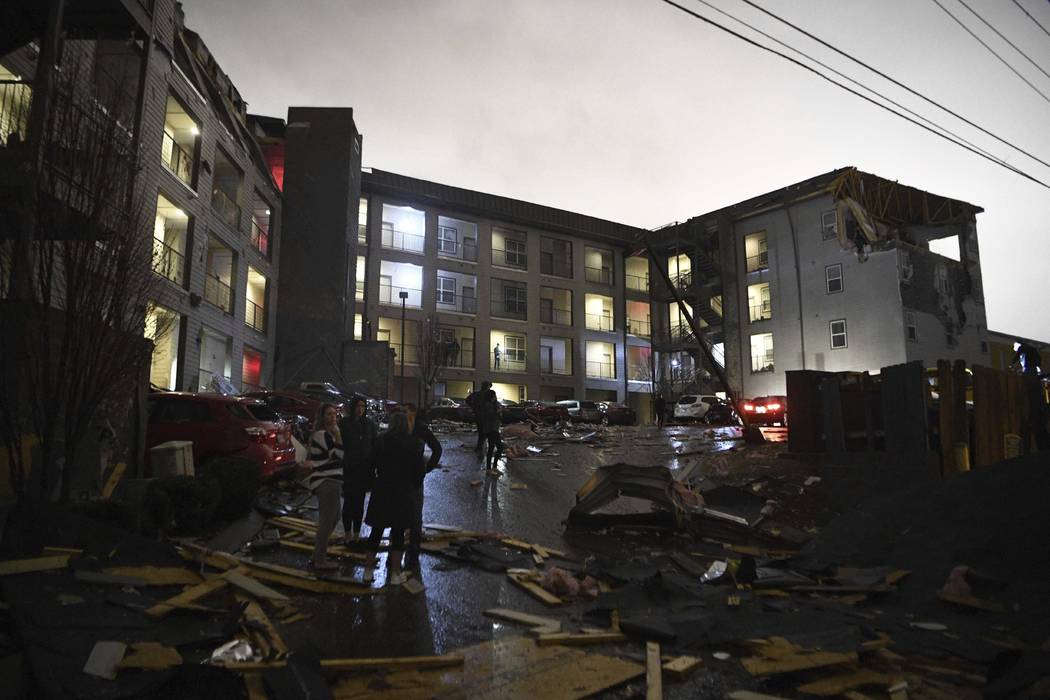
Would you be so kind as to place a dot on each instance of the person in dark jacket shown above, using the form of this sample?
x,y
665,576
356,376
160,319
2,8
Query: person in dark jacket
x,y
426,438
359,437
660,407
490,426
392,505
474,401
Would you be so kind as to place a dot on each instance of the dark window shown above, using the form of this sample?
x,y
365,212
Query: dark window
x,y
238,411
514,299
838,334
263,412
833,277
179,411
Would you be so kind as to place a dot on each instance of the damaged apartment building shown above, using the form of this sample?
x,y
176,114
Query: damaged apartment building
x,y
835,273
211,205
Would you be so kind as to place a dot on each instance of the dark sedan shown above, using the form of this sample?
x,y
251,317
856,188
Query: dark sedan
x,y
545,411
512,412
447,408
617,413
766,410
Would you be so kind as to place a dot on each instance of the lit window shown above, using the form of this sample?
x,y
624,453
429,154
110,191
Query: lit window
x,y
838,334
756,252
762,352
515,348
833,278
828,225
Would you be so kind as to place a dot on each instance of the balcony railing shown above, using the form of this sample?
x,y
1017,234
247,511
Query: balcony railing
x,y
227,209
682,280
167,262
509,308
556,266
639,373
402,240
359,290
508,364
601,275
391,295
362,235
254,316
601,370
411,355
762,362
260,238
462,359
510,258
763,311
555,316
599,322
638,283
15,97
642,329
558,368
218,293
178,159
758,263
451,301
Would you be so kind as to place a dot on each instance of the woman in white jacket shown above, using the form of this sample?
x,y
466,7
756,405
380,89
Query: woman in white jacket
x,y
325,479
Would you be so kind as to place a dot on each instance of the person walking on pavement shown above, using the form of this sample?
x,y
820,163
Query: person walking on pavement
x,y
359,437
391,505
660,406
424,438
490,425
325,479
474,401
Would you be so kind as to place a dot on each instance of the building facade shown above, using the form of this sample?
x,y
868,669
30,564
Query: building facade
x,y
810,277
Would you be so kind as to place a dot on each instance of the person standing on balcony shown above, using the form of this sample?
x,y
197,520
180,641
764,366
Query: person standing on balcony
x,y
359,437
496,354
325,479
475,400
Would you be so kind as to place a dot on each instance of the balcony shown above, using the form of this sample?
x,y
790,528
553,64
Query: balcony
x,y
390,294
395,239
762,362
554,315
218,293
599,322
601,370
411,353
510,258
260,238
682,281
458,303
177,159
254,316
758,262
761,311
637,283
464,359
227,209
167,261
599,275
555,266
638,327
509,363
15,97
362,236
509,308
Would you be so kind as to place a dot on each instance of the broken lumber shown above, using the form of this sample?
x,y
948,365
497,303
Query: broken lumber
x,y
151,656
190,595
14,567
837,685
571,639
114,478
410,662
681,666
969,601
797,662
654,682
253,613
241,579
157,575
333,550
534,589
534,621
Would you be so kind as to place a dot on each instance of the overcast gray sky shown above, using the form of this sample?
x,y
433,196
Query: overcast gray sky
x,y
632,111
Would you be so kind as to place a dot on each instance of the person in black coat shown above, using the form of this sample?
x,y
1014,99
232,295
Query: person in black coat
x,y
425,438
392,504
474,401
359,438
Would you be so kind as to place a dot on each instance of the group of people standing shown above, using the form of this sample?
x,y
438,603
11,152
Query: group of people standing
x,y
487,410
348,458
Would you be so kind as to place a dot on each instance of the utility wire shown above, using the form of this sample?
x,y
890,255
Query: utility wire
x,y
991,50
1000,35
896,82
1037,22
850,79
847,88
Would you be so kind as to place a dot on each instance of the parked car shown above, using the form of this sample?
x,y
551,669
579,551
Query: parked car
x,y
617,413
447,408
221,426
693,406
512,412
721,413
545,411
582,411
296,407
766,410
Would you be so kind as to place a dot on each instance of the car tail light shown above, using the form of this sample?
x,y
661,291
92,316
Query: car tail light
x,y
261,434
749,407
773,406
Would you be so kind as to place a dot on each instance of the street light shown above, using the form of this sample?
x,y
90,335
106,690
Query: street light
x,y
404,296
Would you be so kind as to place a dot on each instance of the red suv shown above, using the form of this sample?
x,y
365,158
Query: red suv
x,y
220,426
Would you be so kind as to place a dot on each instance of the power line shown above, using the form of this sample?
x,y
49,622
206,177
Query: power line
x,y
847,88
1037,22
991,50
896,82
1000,35
850,79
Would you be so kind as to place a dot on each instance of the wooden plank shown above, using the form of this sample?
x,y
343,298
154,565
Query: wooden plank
x,y
253,683
13,567
508,615
151,656
798,662
241,579
190,595
115,476
340,665
837,685
534,589
654,680
571,639
969,601
157,575
681,666
255,614
314,585
990,403
56,551
333,550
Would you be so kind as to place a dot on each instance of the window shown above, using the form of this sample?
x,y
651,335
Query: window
x,y
756,252
515,252
828,225
838,334
448,240
446,290
556,257
515,348
833,278
906,269
949,334
760,306
943,285
762,353
911,327
514,300
179,143
984,346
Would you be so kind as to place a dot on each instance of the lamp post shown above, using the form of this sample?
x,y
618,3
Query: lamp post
x,y
404,296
